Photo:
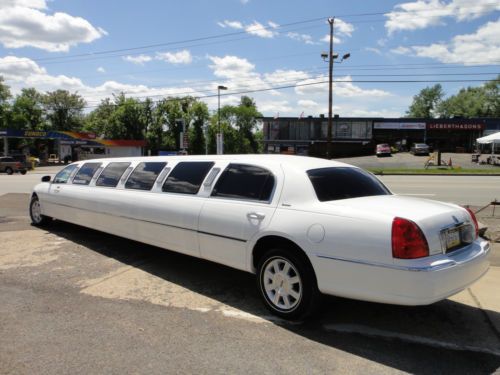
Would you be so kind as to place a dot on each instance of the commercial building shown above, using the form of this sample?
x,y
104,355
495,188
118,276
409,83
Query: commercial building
x,y
359,135
68,145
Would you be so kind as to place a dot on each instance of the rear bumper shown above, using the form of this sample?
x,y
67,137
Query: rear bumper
x,y
416,282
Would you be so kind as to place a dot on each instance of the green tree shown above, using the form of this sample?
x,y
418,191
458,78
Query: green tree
x,y
64,111
239,124
99,121
198,115
27,110
481,101
426,103
4,103
127,119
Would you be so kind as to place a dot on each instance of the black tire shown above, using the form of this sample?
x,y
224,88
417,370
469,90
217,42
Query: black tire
x,y
309,296
23,172
9,170
37,218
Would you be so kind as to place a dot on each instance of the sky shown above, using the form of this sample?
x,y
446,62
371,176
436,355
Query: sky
x,y
268,50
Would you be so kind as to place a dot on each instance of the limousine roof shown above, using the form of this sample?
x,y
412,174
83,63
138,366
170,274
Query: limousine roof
x,y
299,162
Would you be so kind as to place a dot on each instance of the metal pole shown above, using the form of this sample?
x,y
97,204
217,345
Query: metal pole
x,y
5,146
330,86
218,121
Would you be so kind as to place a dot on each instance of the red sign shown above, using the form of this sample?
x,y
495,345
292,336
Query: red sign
x,y
448,126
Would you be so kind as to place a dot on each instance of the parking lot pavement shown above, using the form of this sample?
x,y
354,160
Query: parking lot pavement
x,y
407,160
74,300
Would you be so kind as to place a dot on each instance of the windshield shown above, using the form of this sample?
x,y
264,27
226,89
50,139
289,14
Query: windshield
x,y
344,182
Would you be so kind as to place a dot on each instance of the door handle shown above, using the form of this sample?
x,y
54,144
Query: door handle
x,y
256,215
56,189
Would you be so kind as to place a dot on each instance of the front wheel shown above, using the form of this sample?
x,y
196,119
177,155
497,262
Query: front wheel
x,y
287,284
9,170
36,213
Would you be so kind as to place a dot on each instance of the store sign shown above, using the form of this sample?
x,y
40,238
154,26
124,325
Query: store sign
x,y
399,125
445,126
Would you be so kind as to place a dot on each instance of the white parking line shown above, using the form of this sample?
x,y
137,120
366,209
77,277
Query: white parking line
x,y
379,333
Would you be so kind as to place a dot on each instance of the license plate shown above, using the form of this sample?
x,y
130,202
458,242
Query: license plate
x,y
452,237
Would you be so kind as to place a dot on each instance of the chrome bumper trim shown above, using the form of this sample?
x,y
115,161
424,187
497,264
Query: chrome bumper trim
x,y
436,266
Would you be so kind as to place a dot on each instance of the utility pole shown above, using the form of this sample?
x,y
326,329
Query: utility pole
x,y
331,21
331,57
219,138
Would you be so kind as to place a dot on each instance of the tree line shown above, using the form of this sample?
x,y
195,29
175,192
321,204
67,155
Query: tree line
x,y
160,123
480,101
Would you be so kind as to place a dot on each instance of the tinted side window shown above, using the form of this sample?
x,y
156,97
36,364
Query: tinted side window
x,y
245,182
85,174
144,175
63,176
111,174
343,183
187,177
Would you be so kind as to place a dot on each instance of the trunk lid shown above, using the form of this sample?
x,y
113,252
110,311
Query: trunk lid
x,y
437,220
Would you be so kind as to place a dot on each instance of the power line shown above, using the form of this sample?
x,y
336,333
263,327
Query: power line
x,y
224,35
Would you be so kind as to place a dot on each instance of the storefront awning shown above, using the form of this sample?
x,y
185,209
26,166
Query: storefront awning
x,y
492,138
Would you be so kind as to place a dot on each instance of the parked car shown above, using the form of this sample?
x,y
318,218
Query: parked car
x,y
419,149
9,165
304,226
383,149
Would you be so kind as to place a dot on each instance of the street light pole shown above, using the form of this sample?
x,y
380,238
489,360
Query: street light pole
x,y
331,57
220,144
330,99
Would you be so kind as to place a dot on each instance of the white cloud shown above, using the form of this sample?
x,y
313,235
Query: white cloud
x,y
231,24
374,50
139,59
343,28
21,72
273,107
305,38
285,76
342,87
101,70
260,30
424,13
401,50
244,2
231,66
254,28
308,104
181,57
326,39
481,47
25,23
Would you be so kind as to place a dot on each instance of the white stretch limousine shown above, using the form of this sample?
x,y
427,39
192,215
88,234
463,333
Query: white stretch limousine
x,y
304,226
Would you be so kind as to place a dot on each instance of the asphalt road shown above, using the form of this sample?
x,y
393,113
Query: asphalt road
x,y
472,190
78,301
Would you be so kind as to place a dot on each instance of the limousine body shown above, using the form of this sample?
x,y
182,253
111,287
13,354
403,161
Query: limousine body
x,y
304,226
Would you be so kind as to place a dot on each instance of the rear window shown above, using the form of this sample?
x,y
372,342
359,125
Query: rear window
x,y
111,175
85,174
332,184
245,182
186,177
144,176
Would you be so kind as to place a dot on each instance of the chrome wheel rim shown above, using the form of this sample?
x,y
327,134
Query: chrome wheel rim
x,y
36,211
282,284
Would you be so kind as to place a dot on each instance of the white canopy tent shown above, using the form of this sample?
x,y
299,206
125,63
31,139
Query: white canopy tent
x,y
493,141
492,138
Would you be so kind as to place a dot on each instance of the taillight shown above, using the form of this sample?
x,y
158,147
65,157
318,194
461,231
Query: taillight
x,y
408,241
18,164
474,220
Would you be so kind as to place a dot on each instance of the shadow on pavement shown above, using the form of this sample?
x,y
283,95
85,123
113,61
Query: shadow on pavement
x,y
444,337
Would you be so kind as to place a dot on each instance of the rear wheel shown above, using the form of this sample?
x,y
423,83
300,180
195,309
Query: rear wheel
x,y
23,172
9,170
287,284
36,213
